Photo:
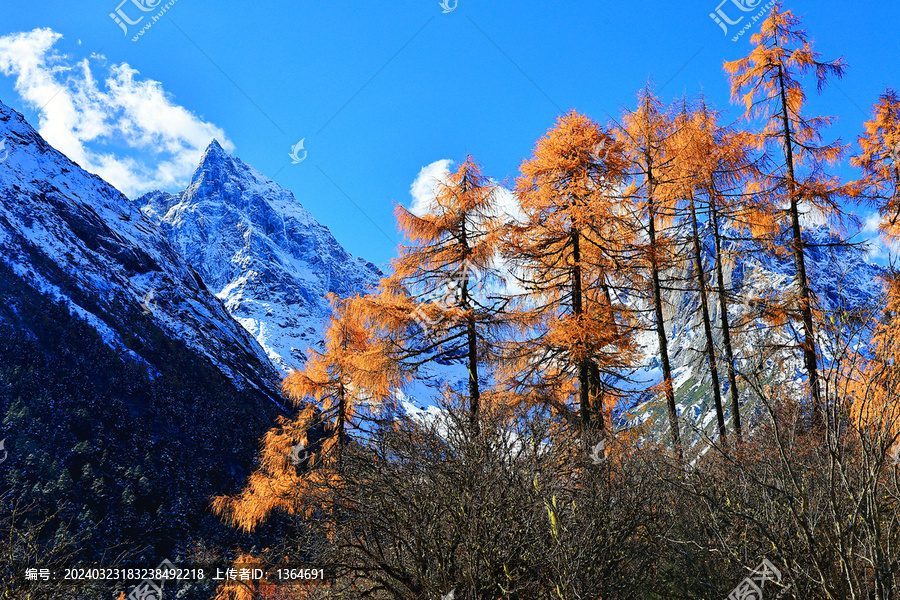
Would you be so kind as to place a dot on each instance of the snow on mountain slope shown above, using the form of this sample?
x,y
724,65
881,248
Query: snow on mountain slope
x,y
257,249
78,240
842,279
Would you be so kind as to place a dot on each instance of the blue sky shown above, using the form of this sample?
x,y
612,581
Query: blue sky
x,y
379,91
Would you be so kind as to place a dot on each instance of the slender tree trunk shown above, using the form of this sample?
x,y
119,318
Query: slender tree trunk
x,y
584,365
809,342
668,383
725,325
597,386
882,571
471,335
707,326
340,429
474,388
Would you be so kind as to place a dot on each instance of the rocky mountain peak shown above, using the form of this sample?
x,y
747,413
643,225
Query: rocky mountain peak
x,y
259,251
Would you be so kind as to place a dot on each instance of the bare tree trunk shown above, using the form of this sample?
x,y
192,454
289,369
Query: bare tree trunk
x,y
471,337
725,325
707,327
340,429
808,344
668,383
584,366
474,389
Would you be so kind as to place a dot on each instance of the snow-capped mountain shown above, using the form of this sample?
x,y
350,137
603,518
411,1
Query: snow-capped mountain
x,y
128,394
260,252
76,239
842,279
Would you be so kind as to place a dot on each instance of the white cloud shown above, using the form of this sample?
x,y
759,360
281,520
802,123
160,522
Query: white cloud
x,y
424,188
880,249
78,115
508,205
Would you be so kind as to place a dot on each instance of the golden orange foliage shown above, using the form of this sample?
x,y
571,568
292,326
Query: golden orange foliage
x,y
438,301
768,79
276,485
460,229
652,196
352,370
566,253
768,83
349,375
441,275
880,162
875,386
714,164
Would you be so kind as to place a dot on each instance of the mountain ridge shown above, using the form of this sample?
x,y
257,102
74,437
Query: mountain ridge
x,y
128,394
260,252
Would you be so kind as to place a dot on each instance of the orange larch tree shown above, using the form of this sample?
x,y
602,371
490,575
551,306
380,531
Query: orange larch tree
x,y
691,159
713,164
768,83
646,136
351,376
440,301
573,335
877,402
879,160
352,372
